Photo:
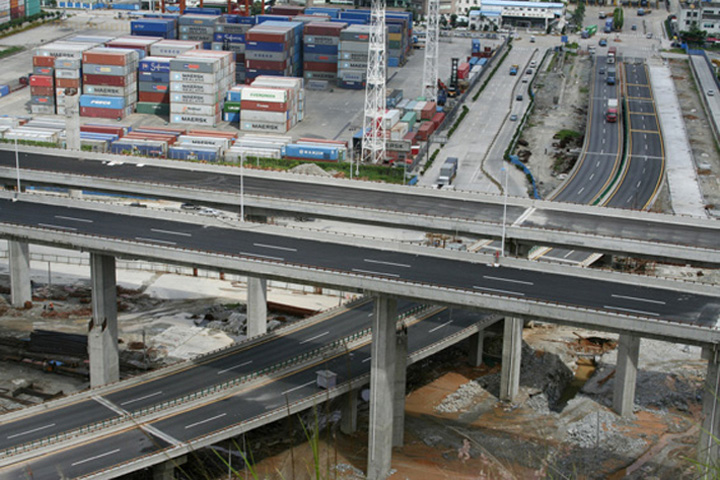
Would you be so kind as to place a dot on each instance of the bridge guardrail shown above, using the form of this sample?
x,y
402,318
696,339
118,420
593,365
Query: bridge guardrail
x,y
206,392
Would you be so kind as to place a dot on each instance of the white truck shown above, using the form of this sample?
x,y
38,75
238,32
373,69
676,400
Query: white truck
x,y
448,171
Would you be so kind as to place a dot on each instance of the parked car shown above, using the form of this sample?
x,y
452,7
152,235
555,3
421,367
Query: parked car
x,y
711,93
649,35
519,98
634,27
513,118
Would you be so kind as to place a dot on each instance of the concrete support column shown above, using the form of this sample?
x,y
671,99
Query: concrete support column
x,y
708,447
475,349
626,374
20,291
382,382
256,306
401,344
166,470
348,422
103,328
511,359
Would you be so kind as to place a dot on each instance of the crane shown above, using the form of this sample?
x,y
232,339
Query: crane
x,y
430,68
373,139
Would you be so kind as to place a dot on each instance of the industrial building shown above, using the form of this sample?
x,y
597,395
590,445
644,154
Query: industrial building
x,y
511,13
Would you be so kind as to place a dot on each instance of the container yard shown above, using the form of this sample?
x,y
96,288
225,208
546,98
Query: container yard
x,y
291,72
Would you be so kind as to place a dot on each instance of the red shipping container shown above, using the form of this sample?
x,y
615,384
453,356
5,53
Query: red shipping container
x,y
425,131
438,119
267,36
41,81
41,61
45,91
320,67
212,133
154,97
330,29
266,64
428,111
106,58
290,10
411,137
170,130
109,80
102,112
267,106
161,137
67,82
119,131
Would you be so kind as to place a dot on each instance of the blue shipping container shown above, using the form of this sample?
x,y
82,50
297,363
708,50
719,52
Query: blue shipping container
x,y
114,103
326,49
266,46
203,11
230,37
160,25
310,152
231,117
4,90
150,65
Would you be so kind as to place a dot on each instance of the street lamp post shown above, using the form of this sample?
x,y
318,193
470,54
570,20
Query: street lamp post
x,y
242,188
505,195
17,169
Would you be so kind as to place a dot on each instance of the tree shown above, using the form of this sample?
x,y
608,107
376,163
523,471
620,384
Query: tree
x,y
694,36
579,15
618,19
453,20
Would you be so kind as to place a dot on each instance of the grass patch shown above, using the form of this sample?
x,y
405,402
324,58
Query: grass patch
x,y
459,119
30,143
584,89
567,135
10,51
430,161
18,25
377,173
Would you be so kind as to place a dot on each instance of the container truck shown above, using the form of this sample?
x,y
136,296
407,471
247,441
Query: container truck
x,y
448,171
611,114
612,52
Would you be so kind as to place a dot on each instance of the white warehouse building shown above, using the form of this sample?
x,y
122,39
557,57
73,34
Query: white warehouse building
x,y
705,15
511,13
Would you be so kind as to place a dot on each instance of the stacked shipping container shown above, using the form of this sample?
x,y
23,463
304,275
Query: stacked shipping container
x,y
155,27
198,27
273,48
272,108
353,57
199,81
231,37
4,11
109,82
154,85
320,51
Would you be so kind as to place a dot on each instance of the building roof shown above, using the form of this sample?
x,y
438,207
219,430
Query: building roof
x,y
520,3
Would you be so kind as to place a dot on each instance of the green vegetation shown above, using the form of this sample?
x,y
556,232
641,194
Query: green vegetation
x,y
10,51
430,161
377,173
16,25
30,143
694,36
497,65
618,19
567,134
459,119
572,46
578,16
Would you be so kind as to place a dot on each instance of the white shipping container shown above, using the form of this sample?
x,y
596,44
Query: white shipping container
x,y
190,109
194,98
191,77
419,107
235,154
390,118
201,88
283,139
42,109
223,143
204,120
399,131
264,94
67,73
263,116
264,127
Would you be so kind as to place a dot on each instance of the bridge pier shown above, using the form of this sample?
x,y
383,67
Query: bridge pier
x,y
348,421
256,306
103,328
166,470
382,383
708,451
511,359
626,374
20,290
475,349
401,343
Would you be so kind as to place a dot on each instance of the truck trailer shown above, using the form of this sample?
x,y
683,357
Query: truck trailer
x,y
611,114
448,171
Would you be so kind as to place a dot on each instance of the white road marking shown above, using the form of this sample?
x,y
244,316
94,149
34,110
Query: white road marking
x,y
298,387
440,326
638,184
140,165
315,337
603,140
74,219
375,273
500,279
591,176
392,264
128,402
500,291
524,216
610,307
49,225
235,366
280,259
367,360
154,240
581,190
569,253
275,247
110,405
205,421
10,437
96,457
154,431
170,232
638,299
598,163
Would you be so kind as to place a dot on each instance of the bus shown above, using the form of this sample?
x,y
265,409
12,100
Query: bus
x,y
612,51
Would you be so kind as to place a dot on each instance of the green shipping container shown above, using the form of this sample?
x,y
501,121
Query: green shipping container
x,y
231,107
410,118
32,7
395,44
153,108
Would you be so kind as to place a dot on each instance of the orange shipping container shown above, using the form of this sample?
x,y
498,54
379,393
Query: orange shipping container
x,y
67,82
41,61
